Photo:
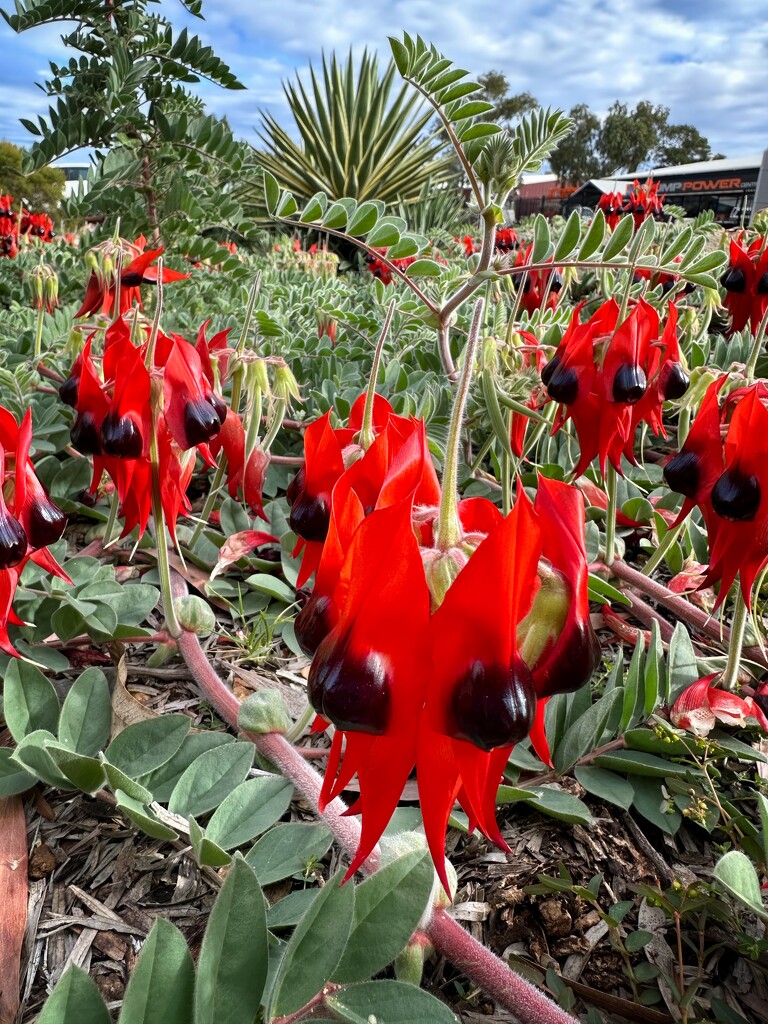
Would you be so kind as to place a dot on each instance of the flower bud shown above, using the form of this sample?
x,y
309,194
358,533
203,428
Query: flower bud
x,y
285,387
264,712
195,615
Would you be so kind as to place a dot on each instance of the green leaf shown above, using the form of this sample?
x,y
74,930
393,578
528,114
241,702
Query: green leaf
x,y
315,948
388,907
601,590
32,755
424,268
163,780
249,810
119,780
160,989
143,817
583,735
606,785
87,773
336,217
569,239
383,236
637,762
364,219
682,669
86,716
287,205
636,941
388,1002
144,746
207,853
556,803
736,873
75,1000
211,778
315,208
272,586
287,850
542,242
13,779
593,237
29,700
288,911
653,805
232,968
407,246
619,240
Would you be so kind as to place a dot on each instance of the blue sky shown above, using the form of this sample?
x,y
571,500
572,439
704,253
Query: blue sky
x,y
704,59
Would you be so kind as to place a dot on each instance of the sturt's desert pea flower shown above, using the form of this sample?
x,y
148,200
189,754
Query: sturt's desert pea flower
x,y
723,469
135,263
746,283
29,520
702,705
609,377
419,648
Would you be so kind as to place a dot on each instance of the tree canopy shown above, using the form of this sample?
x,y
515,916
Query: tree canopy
x,y
41,191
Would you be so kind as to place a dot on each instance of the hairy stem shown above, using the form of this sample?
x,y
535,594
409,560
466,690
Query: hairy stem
x,y
482,967
367,436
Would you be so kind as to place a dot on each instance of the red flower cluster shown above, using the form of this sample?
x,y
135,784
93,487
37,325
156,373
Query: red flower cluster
x,y
436,659
609,377
746,283
539,286
29,520
641,201
113,422
13,224
101,290
722,468
381,270
469,245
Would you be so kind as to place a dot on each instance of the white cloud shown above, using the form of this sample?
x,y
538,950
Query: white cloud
x,y
708,66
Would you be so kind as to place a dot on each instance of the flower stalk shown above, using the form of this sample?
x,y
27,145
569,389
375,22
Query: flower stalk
x,y
448,527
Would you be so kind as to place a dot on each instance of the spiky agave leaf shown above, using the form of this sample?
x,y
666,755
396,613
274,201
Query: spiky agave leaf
x,y
356,138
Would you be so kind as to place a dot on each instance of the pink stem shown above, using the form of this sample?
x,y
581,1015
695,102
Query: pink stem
x,y
485,969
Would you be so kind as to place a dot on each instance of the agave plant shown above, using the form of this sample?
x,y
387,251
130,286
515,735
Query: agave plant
x,y
356,139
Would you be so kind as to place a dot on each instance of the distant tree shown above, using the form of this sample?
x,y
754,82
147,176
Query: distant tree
x,y
682,144
631,138
576,159
41,191
508,108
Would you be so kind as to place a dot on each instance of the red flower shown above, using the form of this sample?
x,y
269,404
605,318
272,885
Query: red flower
x,y
746,284
37,225
381,270
610,377
612,205
506,240
643,201
539,286
722,468
29,520
101,289
701,705
9,236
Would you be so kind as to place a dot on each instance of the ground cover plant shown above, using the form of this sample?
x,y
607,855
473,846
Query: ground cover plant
x,y
372,579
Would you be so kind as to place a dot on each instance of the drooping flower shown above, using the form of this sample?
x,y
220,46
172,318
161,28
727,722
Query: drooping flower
x,y
506,240
29,520
612,205
703,704
540,287
381,270
723,468
136,268
609,377
643,201
746,284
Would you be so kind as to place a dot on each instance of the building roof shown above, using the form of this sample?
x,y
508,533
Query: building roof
x,y
728,164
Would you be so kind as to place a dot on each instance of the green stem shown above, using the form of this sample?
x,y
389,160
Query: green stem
x,y
111,520
610,515
367,436
730,676
275,423
683,425
757,345
161,541
666,543
248,315
448,524
506,474
39,332
300,724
